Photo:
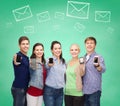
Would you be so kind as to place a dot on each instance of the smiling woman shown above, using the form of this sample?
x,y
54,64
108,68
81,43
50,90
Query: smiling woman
x,y
55,81
74,72
69,21
37,76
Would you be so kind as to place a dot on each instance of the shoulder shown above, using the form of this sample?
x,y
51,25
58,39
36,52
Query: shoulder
x,y
68,62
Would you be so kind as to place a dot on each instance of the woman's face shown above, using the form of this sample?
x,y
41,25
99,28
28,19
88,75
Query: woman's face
x,y
74,51
38,51
56,51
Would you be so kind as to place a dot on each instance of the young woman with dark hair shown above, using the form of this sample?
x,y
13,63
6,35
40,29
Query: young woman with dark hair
x,y
55,81
37,76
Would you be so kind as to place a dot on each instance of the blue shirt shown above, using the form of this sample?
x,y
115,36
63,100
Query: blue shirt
x,y
21,73
55,74
93,78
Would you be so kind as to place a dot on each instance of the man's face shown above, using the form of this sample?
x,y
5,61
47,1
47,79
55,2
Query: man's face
x,y
24,46
90,46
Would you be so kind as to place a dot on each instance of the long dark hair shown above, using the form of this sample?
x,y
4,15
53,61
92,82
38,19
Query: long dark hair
x,y
56,42
34,56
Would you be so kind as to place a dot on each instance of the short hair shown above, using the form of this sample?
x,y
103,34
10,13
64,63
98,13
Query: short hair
x,y
76,45
23,38
90,38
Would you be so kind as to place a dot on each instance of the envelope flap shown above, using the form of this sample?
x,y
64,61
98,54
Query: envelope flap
x,y
59,14
44,15
103,14
28,27
78,6
22,10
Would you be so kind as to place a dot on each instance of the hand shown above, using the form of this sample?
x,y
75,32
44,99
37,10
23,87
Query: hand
x,y
50,64
82,68
96,64
98,67
14,60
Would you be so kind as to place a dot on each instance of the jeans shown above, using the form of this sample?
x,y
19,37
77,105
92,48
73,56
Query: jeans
x,y
74,100
19,96
93,99
52,96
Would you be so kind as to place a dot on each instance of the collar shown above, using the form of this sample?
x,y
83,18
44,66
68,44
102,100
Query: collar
x,y
22,54
87,57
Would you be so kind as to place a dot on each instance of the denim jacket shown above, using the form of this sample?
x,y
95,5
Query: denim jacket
x,y
36,76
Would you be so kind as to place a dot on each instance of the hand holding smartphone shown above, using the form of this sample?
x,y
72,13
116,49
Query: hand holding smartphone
x,y
50,60
81,60
18,58
96,61
33,64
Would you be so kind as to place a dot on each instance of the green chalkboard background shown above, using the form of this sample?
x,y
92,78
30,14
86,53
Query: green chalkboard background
x,y
47,20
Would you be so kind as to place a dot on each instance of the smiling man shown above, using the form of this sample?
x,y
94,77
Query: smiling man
x,y
21,73
93,74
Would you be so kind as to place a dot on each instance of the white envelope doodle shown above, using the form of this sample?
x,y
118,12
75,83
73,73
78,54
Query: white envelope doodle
x,y
59,15
110,30
9,24
29,29
44,16
22,13
56,27
78,9
79,27
102,16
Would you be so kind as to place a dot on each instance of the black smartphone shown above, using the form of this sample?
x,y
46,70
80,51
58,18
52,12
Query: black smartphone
x,y
18,58
96,59
81,60
51,60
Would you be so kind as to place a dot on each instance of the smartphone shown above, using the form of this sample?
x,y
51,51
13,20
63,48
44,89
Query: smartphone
x,y
18,58
96,60
51,60
81,60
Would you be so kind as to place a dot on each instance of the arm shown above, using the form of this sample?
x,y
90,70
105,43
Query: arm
x,y
82,69
48,65
14,60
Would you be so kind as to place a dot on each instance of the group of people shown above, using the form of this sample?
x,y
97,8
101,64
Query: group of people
x,y
54,80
